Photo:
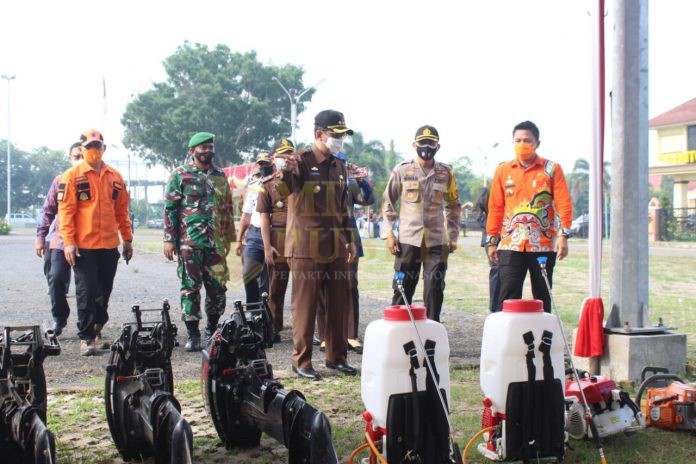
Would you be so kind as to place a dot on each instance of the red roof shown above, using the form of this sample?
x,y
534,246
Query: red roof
x,y
686,112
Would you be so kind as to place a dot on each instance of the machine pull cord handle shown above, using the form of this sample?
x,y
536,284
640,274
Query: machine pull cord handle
x,y
588,411
399,278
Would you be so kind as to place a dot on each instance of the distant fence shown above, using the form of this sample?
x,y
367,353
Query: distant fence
x,y
685,222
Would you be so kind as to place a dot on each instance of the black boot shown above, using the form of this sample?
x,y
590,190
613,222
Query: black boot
x,y
211,327
194,336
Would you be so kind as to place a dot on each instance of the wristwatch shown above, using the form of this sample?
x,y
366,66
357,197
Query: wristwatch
x,y
565,232
493,240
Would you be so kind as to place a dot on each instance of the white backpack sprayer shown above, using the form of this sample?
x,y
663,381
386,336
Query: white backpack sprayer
x,y
406,389
524,417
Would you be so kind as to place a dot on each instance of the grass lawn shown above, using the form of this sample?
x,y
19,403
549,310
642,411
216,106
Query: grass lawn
x,y
79,422
672,297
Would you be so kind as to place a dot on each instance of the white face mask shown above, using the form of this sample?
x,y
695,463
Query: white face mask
x,y
334,145
75,162
279,162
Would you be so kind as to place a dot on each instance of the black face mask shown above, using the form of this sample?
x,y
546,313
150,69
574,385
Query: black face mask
x,y
426,153
266,171
205,157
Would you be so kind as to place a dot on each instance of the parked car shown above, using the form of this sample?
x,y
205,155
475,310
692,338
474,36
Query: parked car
x,y
155,224
580,227
22,220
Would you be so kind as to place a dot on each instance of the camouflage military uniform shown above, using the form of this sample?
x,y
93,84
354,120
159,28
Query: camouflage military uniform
x,y
198,217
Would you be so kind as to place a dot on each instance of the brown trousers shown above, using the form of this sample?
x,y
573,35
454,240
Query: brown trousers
x,y
352,317
309,280
278,278
279,275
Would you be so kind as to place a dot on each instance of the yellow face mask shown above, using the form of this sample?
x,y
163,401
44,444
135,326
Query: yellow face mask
x,y
92,155
524,151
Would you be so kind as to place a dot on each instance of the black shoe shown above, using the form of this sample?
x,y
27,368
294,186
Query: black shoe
x,y
276,337
355,345
316,341
307,373
193,343
209,332
210,327
342,367
58,327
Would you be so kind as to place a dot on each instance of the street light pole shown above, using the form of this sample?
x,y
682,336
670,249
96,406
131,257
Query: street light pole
x,y
294,101
8,78
485,165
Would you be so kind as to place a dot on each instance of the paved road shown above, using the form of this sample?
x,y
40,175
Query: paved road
x,y
147,280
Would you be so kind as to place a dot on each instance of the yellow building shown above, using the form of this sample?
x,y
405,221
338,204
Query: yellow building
x,y
676,154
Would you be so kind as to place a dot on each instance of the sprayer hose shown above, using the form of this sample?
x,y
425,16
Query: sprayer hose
x,y
472,441
356,451
374,449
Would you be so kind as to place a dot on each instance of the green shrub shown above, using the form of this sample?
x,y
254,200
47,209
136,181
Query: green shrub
x,y
4,227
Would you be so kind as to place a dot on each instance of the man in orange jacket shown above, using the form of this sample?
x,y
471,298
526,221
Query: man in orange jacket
x,y
526,195
93,209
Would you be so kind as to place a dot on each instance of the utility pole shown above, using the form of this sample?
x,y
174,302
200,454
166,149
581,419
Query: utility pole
x,y
632,342
294,101
8,78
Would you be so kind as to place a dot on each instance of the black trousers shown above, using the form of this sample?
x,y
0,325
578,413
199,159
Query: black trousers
x,y
434,262
493,284
58,284
94,278
513,267
47,267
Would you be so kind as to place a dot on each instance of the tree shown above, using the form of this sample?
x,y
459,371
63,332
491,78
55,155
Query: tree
x,y
372,155
468,183
229,94
32,174
579,185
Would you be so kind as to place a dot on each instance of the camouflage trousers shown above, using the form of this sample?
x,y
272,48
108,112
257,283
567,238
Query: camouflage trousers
x,y
202,267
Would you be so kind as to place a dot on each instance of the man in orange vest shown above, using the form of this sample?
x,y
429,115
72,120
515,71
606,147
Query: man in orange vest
x,y
92,210
526,195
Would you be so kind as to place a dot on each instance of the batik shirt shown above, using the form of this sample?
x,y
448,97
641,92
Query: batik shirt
x,y
524,203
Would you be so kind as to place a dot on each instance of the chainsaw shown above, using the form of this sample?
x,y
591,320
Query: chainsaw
x,y
670,403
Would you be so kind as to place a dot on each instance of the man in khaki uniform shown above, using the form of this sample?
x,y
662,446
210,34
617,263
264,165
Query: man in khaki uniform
x,y
428,220
272,204
319,243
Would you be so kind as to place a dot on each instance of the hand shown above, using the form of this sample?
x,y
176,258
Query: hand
x,y
393,245
493,253
561,247
290,164
228,247
127,251
452,246
351,252
269,256
40,247
169,250
71,254
238,249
